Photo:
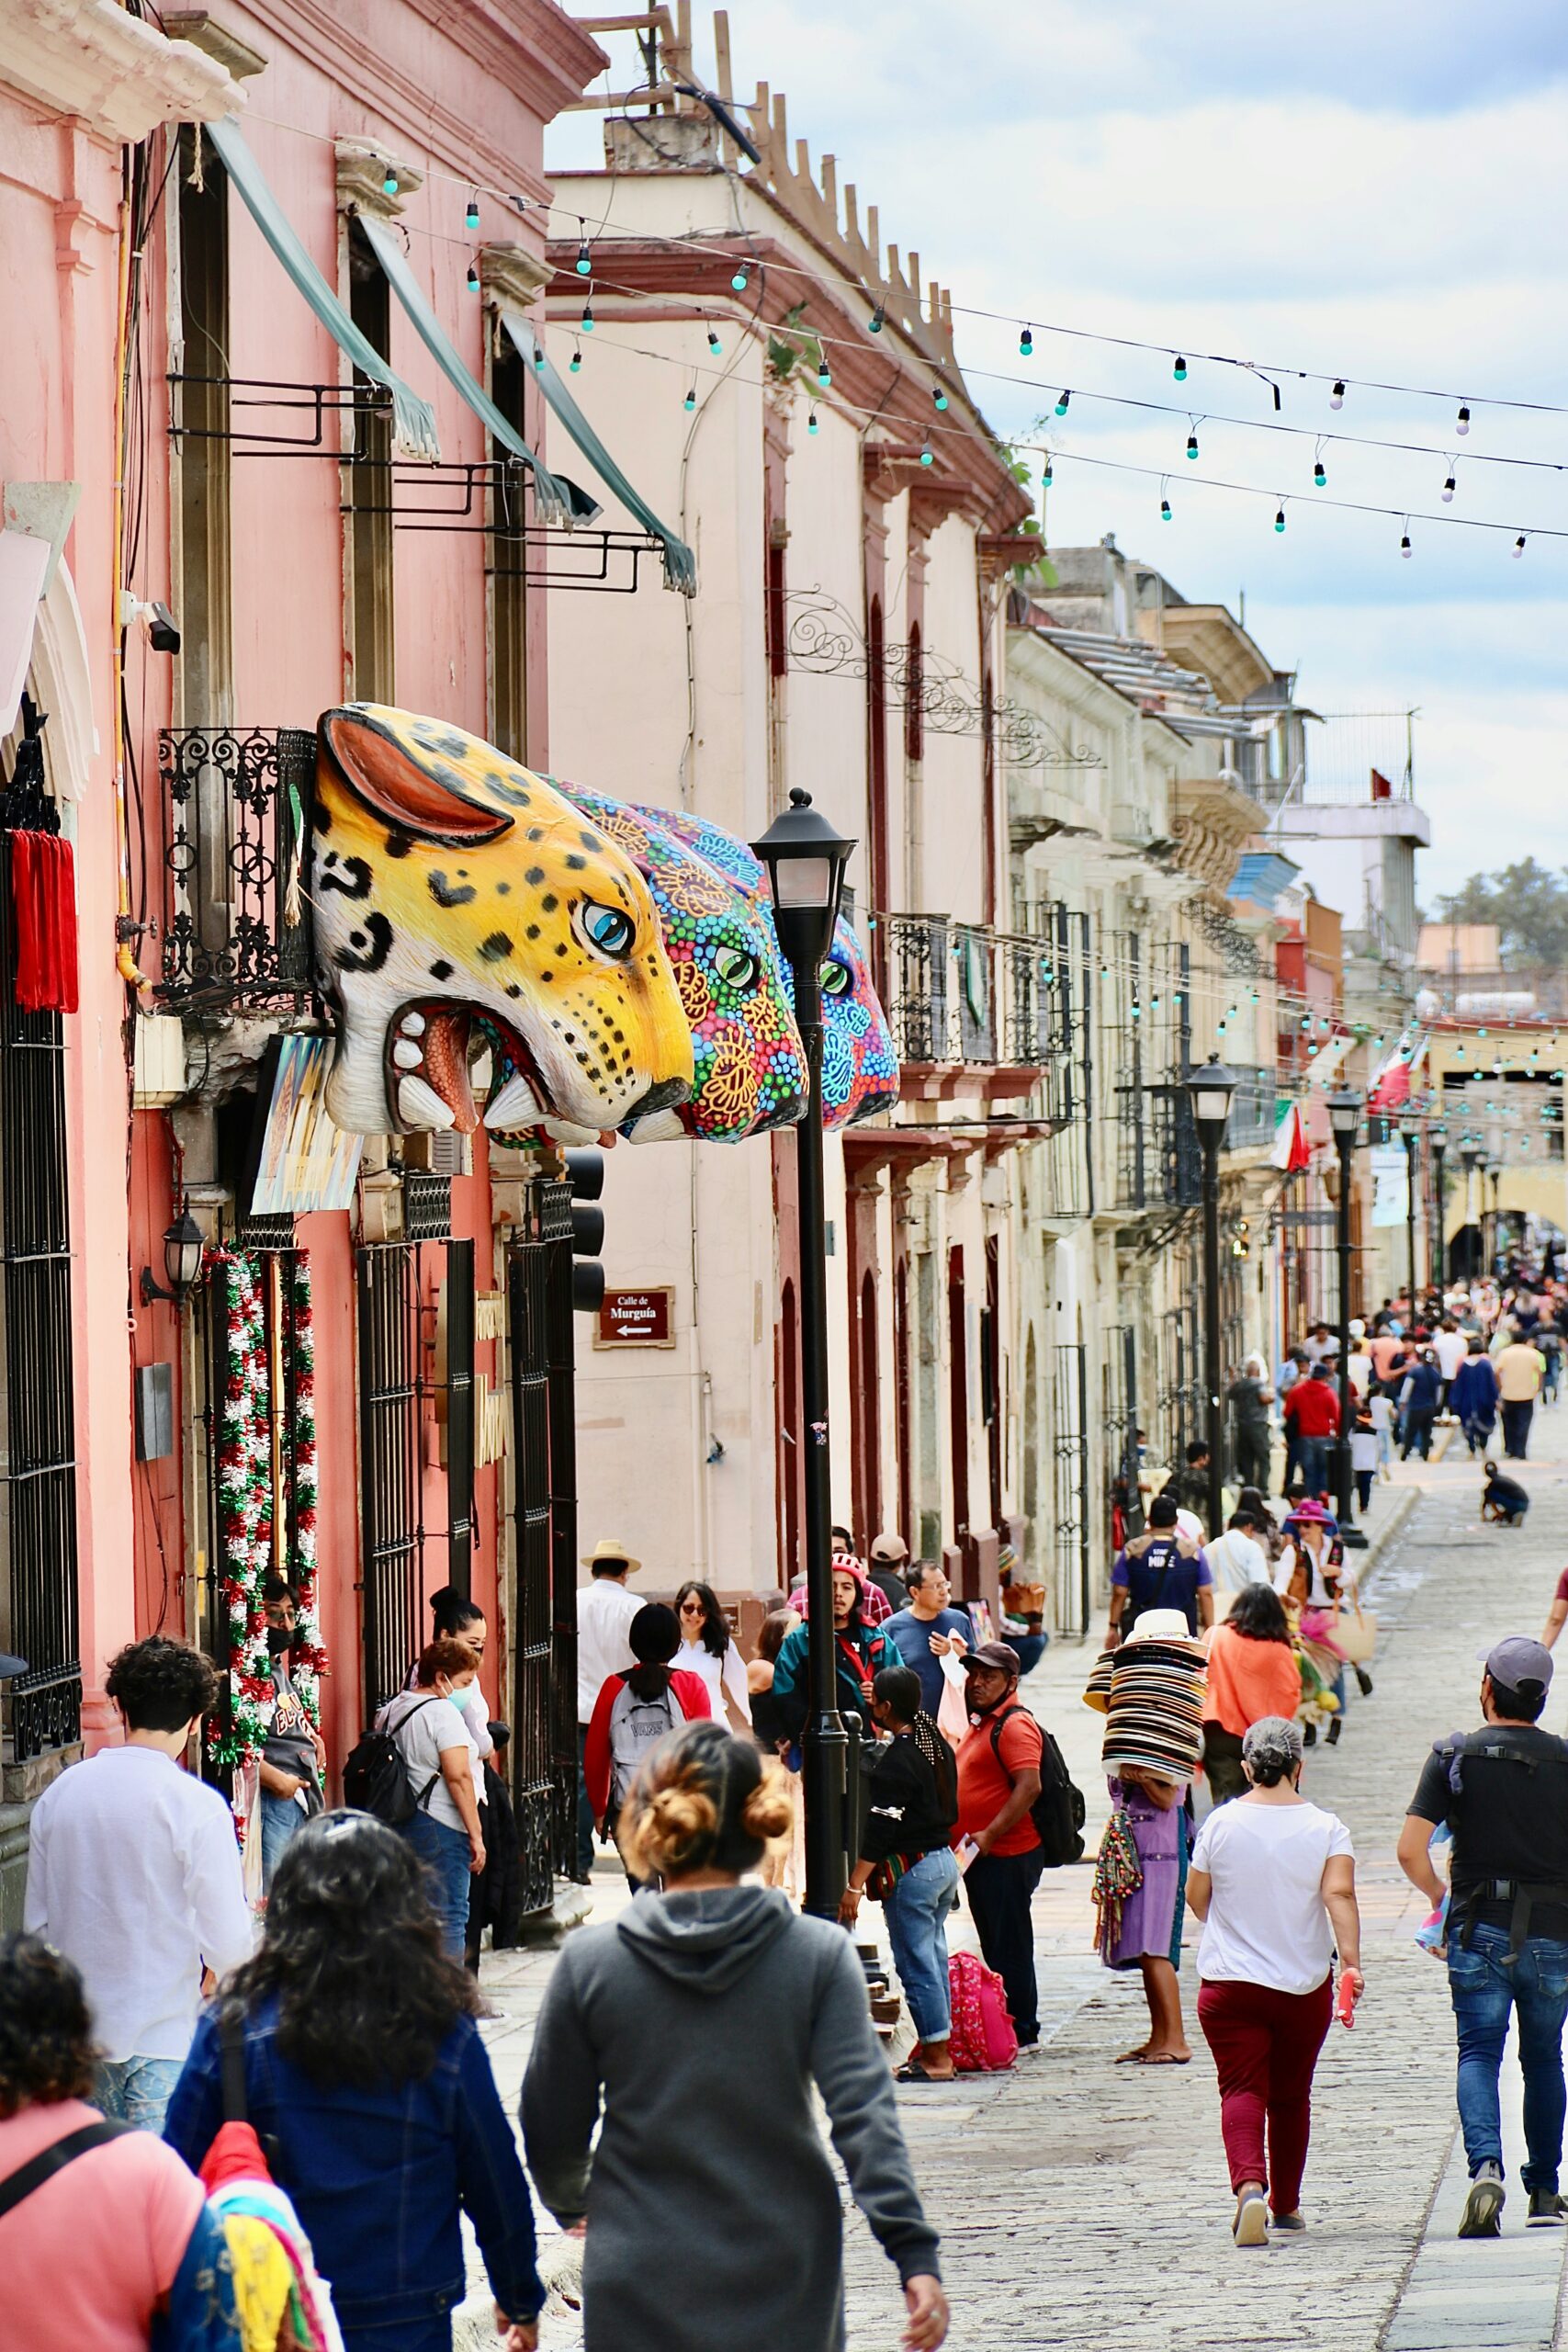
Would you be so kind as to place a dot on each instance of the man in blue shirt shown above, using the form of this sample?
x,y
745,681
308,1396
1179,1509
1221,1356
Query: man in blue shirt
x,y
924,1631
1161,1569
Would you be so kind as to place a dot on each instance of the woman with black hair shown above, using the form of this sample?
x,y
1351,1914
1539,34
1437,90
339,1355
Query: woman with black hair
x,y
455,1618
362,2066
708,1649
636,1709
656,2022
1252,1673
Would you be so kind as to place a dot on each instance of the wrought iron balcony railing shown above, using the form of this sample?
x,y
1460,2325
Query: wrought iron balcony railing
x,y
236,849
959,992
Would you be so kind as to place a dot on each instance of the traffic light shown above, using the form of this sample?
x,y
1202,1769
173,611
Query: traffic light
x,y
585,1174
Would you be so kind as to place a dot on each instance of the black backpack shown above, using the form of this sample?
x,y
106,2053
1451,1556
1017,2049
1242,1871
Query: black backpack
x,y
1059,1812
376,1779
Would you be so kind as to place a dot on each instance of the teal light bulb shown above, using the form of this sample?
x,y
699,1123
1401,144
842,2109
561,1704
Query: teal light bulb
x,y
1320,479
389,181
1026,343
811,422
928,455
1192,445
1047,477
587,320
715,345
473,277
471,217
824,374
576,361
689,403
739,281
940,397
874,322
1062,403
1279,520
1179,370
1165,510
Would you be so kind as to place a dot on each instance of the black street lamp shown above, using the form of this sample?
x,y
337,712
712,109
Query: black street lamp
x,y
806,860
1210,1090
1438,1139
1495,1172
182,1264
1470,1152
1410,1128
1345,1117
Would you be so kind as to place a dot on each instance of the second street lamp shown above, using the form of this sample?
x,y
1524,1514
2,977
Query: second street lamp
x,y
1209,1090
1438,1139
1345,1115
1410,1128
806,860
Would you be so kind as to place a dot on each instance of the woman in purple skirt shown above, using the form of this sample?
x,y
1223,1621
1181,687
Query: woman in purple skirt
x,y
1149,1934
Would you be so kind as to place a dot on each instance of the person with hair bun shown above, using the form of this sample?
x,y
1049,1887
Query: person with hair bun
x,y
455,1618
430,1733
1273,1880
653,2024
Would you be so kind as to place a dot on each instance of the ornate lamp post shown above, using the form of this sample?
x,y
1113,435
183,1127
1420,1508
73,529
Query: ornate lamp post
x,y
1438,1137
1210,1090
1472,1156
1410,1128
806,860
1345,1115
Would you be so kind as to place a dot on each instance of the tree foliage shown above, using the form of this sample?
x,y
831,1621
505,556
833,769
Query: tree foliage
x,y
1528,903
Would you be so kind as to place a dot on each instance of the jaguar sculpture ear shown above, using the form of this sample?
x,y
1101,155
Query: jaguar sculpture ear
x,y
418,793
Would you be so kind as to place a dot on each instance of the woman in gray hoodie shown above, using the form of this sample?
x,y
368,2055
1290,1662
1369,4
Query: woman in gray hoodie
x,y
697,2024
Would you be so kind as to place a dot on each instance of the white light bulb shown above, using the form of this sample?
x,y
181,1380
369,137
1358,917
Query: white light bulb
x,y
1337,397
1448,488
1461,423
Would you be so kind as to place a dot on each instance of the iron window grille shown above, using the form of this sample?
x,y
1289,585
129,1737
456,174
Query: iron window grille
x,y
237,803
1069,1488
392,1392
38,1478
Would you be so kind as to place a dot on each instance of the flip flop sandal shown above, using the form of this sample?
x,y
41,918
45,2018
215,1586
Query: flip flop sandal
x,y
913,2072
1163,2058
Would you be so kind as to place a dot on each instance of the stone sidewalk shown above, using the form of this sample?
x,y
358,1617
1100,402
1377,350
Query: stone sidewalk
x,y
1082,2203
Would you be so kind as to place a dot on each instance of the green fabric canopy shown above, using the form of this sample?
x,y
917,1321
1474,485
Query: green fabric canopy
x,y
414,420
680,564
554,501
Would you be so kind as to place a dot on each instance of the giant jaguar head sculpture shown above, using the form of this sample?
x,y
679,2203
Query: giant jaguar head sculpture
x,y
456,892
860,1064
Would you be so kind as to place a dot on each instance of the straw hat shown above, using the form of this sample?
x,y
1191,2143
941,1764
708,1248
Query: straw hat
x,y
1161,1626
606,1550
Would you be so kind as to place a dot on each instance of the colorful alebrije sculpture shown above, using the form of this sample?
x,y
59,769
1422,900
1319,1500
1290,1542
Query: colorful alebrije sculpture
x,y
860,1066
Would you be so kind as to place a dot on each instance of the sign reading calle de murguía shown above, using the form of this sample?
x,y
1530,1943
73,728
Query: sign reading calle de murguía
x,y
635,1319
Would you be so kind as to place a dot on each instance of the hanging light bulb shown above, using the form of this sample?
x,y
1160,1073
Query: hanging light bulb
x,y
1062,403
1179,370
1165,510
1404,547
1461,423
1026,343
824,374
715,345
471,217
473,277
1192,443
877,318
689,403
1337,397
1519,547
1449,489
741,281
1279,520
390,180
1047,477
576,364
811,423
1319,477
928,455
584,258
586,322
938,395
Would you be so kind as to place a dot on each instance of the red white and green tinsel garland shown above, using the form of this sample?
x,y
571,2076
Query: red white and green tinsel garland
x,y
246,1500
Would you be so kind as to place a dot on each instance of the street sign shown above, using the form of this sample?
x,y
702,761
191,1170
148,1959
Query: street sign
x,y
635,1319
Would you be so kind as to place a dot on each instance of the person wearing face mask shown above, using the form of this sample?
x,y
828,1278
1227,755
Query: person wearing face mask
x,y
428,1728
295,1755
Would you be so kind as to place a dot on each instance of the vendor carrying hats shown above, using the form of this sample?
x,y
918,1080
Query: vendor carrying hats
x,y
1154,1729
604,1613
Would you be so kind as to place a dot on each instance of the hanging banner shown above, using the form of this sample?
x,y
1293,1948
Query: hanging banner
x,y
1390,1088
1391,1183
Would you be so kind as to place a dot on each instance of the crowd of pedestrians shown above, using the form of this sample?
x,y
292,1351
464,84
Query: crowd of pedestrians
x,y
282,2109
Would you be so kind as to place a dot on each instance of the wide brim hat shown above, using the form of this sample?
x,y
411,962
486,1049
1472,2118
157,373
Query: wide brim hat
x,y
1308,1509
1161,1626
606,1550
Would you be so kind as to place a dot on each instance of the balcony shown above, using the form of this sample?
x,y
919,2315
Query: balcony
x,y
964,1000
1253,1106
236,836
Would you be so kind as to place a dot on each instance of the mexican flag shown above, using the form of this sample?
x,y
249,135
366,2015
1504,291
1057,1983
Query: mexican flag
x,y
1291,1150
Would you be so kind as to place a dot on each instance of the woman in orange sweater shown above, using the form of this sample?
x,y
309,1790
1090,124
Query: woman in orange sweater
x,y
1252,1673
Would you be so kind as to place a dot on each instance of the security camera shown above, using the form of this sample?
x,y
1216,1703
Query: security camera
x,y
163,629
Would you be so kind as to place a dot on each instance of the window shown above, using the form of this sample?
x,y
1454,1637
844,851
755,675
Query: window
x,y
370,639
508,573
206,636
39,1608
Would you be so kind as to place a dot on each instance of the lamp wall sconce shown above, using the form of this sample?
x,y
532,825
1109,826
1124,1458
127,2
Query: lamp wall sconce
x,y
183,1247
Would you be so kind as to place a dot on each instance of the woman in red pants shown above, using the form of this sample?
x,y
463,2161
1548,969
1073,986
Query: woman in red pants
x,y
1273,1880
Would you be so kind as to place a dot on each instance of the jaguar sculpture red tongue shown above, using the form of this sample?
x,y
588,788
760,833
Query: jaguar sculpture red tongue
x,y
430,1069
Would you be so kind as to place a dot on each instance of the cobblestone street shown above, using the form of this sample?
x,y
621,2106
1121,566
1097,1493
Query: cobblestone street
x,y
1081,2202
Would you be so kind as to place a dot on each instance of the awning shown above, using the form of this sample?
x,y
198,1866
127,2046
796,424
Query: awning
x,y
24,562
680,564
555,501
414,420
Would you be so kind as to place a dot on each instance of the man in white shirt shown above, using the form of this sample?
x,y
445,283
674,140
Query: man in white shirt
x,y
604,1613
1451,1347
1236,1558
134,1872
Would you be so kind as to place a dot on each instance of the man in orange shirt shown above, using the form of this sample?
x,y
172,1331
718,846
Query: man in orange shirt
x,y
998,1779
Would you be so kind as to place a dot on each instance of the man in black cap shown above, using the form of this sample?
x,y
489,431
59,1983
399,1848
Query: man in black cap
x,y
1503,1793
998,1847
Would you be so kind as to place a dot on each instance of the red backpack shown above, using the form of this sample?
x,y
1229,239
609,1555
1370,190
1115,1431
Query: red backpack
x,y
982,2040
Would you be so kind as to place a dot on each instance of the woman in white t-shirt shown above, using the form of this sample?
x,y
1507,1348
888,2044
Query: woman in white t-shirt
x,y
1273,1880
708,1649
431,1734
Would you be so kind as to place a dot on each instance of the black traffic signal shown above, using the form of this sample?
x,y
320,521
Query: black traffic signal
x,y
585,1174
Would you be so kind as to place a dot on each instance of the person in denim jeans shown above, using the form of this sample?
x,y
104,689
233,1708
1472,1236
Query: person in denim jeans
x,y
1503,1793
364,2071
911,1805
432,1734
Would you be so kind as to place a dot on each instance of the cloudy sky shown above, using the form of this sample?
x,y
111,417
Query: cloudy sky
x,y
1372,187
